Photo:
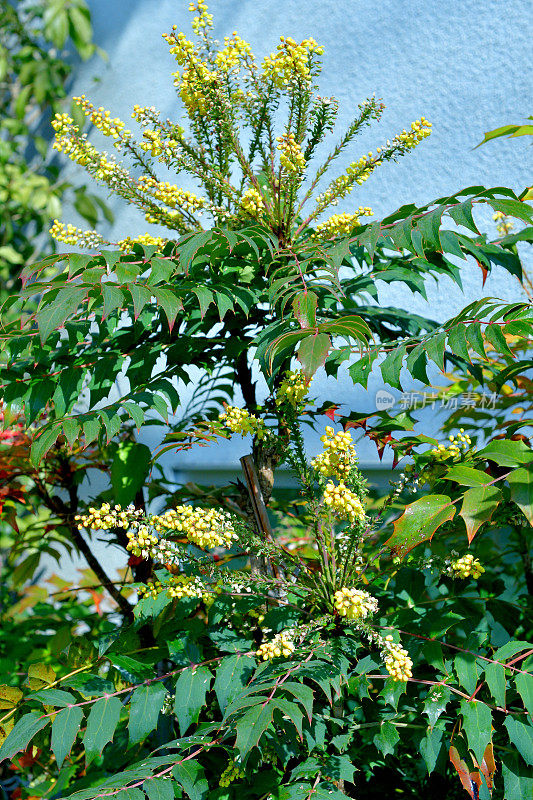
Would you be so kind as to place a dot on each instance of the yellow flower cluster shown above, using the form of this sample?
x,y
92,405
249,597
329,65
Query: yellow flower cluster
x,y
252,202
108,517
126,245
291,62
70,234
419,130
397,661
281,645
354,603
341,224
467,567
202,20
206,528
461,442
343,502
178,586
230,774
504,225
234,52
293,389
143,543
196,78
170,195
101,119
239,420
291,157
338,456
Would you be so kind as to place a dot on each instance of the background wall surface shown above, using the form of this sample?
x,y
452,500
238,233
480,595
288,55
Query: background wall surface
x,y
464,64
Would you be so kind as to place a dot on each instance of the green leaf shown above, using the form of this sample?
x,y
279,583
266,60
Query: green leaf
x,y
494,335
65,728
477,725
434,347
42,443
160,270
435,704
159,789
430,747
304,308
524,687
191,777
129,470
506,130
191,689
313,352
101,725
169,303
521,736
251,727
231,676
146,703
53,697
467,476
303,693
517,779
141,297
457,342
22,734
391,366
387,738
419,522
52,314
479,503
360,371
521,485
507,453
495,677
113,298
205,298
467,670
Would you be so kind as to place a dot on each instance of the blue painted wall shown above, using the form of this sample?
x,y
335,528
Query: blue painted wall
x,y
466,66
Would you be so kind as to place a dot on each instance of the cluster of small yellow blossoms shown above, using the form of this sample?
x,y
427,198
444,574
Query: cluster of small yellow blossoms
x,y
354,603
396,659
230,774
291,62
103,168
252,202
196,78
341,224
178,586
234,52
70,234
206,528
101,119
108,517
460,443
467,567
356,173
126,245
281,645
504,224
171,195
144,544
239,420
419,130
293,389
338,456
344,503
291,157
202,20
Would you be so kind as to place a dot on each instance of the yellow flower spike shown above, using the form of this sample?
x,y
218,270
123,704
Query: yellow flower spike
x,y
294,389
397,661
354,603
239,420
339,454
343,503
467,567
281,645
